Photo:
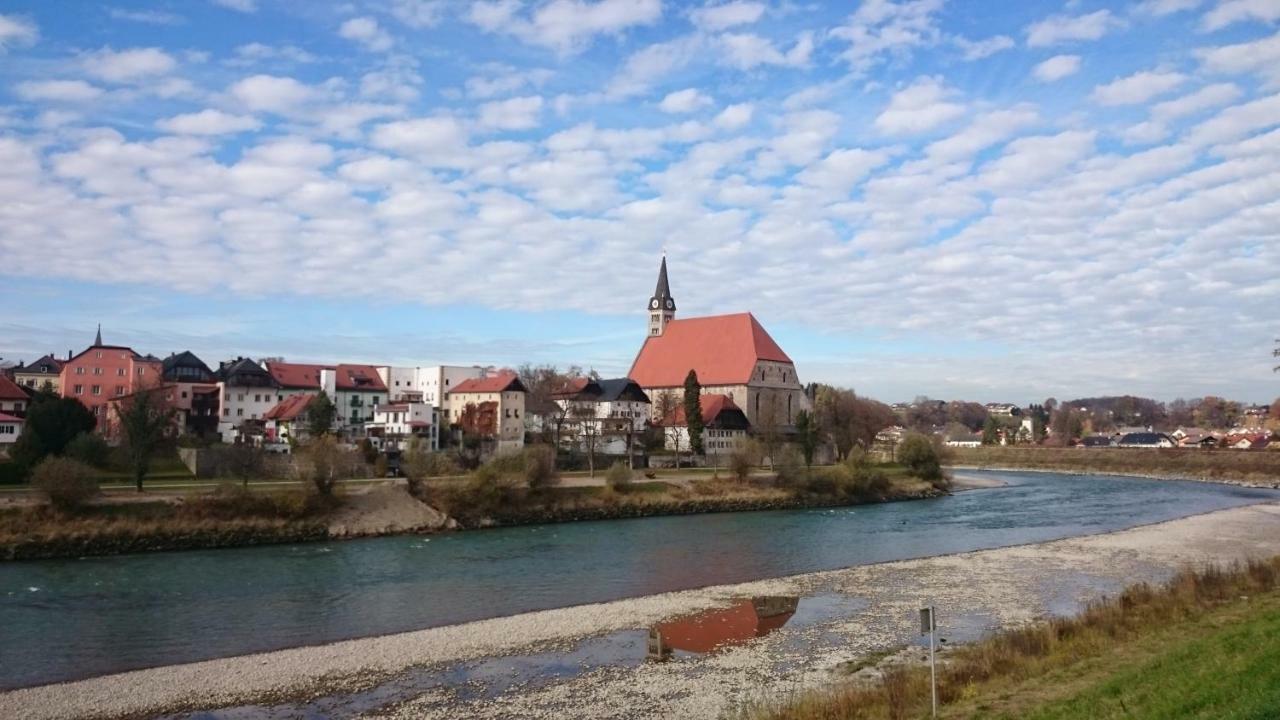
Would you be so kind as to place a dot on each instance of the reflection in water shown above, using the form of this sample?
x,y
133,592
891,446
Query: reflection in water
x,y
742,621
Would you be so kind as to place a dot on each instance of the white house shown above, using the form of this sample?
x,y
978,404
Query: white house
x,y
395,423
246,392
725,426
430,385
611,412
10,429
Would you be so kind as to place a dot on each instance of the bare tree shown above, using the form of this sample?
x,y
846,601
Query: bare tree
x,y
145,422
665,408
768,428
587,429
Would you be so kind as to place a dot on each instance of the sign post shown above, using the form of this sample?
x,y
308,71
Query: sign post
x,y
929,626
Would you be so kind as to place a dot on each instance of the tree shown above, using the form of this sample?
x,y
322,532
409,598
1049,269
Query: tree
x,y
587,425
66,484
768,428
244,462
419,464
665,406
807,436
321,413
991,432
848,421
323,463
693,411
542,383
918,453
51,424
146,422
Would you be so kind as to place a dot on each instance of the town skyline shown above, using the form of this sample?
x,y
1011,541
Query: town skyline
x,y
916,198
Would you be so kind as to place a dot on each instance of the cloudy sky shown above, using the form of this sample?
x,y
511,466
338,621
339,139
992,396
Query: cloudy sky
x,y
987,200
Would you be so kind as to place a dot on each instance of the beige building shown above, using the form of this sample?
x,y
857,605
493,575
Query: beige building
x,y
490,407
39,374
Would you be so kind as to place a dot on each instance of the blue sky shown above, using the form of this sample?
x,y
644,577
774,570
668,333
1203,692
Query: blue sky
x,y
987,200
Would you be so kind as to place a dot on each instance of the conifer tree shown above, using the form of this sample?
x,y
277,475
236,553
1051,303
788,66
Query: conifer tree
x,y
693,411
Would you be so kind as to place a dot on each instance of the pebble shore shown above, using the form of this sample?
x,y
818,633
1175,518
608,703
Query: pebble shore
x,y
991,587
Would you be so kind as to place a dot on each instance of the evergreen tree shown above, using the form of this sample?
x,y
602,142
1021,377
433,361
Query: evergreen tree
x,y
991,432
807,436
320,415
693,411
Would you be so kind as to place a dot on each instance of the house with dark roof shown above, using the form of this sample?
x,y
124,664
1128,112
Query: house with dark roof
x,y
610,415
246,392
43,373
10,430
725,426
733,355
1146,440
1096,441
490,408
194,392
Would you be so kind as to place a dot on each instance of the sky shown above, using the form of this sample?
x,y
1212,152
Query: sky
x,y
983,200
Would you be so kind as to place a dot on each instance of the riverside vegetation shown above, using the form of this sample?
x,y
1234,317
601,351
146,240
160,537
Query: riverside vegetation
x,y
516,488
1261,468
1206,644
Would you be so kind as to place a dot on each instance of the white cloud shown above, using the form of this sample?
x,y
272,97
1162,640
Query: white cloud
x,y
129,65
149,17
881,29
1030,161
735,116
252,53
518,113
1256,56
646,66
727,15
1137,88
921,106
684,101
1160,8
439,138
1229,12
271,93
746,51
418,14
208,122
978,49
1209,96
1057,29
58,90
1237,121
1056,68
17,31
503,80
244,6
567,26
365,30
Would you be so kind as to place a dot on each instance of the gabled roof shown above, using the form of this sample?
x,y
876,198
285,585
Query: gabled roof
x,y
132,353
722,349
47,365
4,417
10,390
502,382
185,359
244,372
717,411
615,389
289,408
346,377
1144,438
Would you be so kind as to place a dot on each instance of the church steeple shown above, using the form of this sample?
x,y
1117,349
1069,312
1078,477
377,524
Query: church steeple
x,y
97,340
662,307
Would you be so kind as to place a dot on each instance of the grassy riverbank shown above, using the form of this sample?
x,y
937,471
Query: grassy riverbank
x,y
1204,645
1261,468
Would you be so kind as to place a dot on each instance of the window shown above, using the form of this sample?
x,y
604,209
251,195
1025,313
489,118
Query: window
x,y
98,355
240,397
257,398
119,390
239,412
226,412
79,370
96,390
97,371
139,372
184,394
120,372
79,390
226,396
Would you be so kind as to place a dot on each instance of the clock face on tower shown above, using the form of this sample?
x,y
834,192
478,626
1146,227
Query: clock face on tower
x,y
654,303
670,303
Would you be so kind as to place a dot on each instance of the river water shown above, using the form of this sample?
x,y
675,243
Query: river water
x,y
71,619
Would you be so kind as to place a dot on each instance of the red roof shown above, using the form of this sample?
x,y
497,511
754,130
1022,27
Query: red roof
x,y
289,408
348,377
502,382
722,349
9,418
712,405
9,390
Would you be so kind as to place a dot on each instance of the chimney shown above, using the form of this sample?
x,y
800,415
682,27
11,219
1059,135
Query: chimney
x,y
68,354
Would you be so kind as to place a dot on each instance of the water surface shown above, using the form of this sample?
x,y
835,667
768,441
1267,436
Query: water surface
x,y
69,619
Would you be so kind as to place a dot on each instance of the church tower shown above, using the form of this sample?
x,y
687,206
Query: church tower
x,y
662,308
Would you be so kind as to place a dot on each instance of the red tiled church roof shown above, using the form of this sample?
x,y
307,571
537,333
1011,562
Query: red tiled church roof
x,y
723,349
502,382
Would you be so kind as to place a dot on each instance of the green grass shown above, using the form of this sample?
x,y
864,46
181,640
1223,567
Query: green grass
x,y
1248,465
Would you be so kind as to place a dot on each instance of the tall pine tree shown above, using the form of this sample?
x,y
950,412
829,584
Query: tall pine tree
x,y
693,411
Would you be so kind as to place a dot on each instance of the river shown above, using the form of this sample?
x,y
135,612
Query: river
x,y
71,619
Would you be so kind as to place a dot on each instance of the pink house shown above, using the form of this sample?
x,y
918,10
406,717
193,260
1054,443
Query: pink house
x,y
102,372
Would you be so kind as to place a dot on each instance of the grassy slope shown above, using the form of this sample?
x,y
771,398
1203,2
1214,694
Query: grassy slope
x,y
1262,466
1223,665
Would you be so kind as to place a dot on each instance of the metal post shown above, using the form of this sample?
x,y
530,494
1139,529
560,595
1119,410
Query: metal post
x,y
933,665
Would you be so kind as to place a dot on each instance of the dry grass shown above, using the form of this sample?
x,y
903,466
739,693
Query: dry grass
x,y
1262,466
1035,650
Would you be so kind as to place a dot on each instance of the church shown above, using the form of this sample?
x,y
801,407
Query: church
x,y
732,354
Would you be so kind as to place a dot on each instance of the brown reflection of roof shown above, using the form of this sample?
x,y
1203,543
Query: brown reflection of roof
x,y
746,619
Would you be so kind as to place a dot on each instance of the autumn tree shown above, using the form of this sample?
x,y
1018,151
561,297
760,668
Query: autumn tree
x,y
665,406
807,436
693,411
321,412
848,421
768,428
588,430
145,423
542,383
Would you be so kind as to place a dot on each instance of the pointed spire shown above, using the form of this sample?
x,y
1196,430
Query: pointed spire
x,y
663,290
97,341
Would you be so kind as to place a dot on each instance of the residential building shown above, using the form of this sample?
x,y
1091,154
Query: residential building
x,y
733,355
102,372
13,399
355,390
1097,441
395,424
1003,409
611,414
967,440
286,421
430,385
246,391
491,407
10,430
725,427
194,392
41,374
1146,440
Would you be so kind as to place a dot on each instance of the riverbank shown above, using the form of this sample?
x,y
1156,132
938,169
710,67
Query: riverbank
x,y
1244,468
850,614
232,517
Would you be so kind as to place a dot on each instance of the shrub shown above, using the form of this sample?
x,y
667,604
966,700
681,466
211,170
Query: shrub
x,y
368,451
789,469
89,449
243,462
921,458
380,466
619,476
322,463
740,464
66,484
418,464
534,466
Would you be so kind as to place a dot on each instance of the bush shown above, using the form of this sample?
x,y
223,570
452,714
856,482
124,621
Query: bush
x,y
66,484
243,462
619,476
921,458
740,464
89,449
789,468
419,463
534,466
322,463
380,467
